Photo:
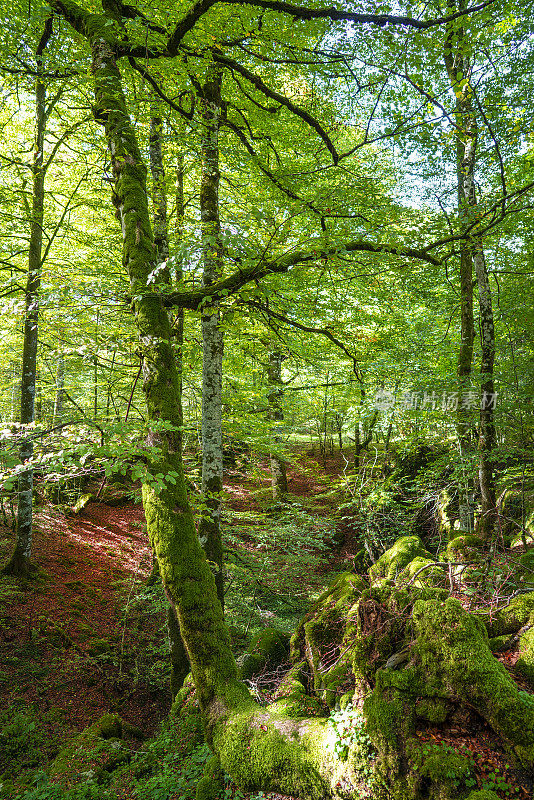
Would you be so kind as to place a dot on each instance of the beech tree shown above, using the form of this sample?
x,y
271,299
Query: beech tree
x,y
261,748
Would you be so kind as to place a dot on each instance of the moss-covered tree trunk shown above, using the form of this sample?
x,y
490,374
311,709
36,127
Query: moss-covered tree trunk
x,y
486,439
187,579
458,65
159,193
260,748
179,660
20,561
276,415
212,337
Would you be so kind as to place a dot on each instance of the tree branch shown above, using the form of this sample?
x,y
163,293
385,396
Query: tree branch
x,y
229,286
189,20
256,81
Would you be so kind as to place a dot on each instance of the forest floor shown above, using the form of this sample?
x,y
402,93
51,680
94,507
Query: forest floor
x,y
87,636
83,637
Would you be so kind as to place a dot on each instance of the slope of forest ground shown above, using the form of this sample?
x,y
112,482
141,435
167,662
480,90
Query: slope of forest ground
x,y
86,637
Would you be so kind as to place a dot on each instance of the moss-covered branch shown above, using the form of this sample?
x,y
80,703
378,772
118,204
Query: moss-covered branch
x,y
233,283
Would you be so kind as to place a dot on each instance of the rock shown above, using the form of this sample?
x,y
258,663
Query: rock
x,y
268,649
393,561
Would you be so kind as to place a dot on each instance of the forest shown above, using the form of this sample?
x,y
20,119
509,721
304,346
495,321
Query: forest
x,y
266,409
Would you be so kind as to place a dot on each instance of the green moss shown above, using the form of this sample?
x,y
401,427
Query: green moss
x,y
432,709
483,794
525,662
377,628
393,561
430,576
361,561
465,548
497,643
268,648
450,768
261,753
452,649
322,628
390,714
511,618
96,751
211,785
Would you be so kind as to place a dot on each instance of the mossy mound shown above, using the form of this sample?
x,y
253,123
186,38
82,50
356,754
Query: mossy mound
x,y
393,561
317,642
399,649
511,617
268,649
423,572
452,649
465,548
525,663
91,756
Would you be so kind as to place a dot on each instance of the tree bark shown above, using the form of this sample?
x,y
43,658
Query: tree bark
x,y
159,194
20,562
457,62
60,389
486,440
212,337
259,748
276,414
179,661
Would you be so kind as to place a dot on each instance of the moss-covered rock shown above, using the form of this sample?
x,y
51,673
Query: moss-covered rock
x,y
393,561
390,713
510,618
318,637
465,548
433,709
526,566
377,630
423,572
92,755
268,649
361,561
525,662
452,650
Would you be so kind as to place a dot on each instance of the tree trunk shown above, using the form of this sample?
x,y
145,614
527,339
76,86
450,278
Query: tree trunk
x,y
159,194
361,444
20,562
179,661
258,747
60,389
212,337
486,439
276,414
457,62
